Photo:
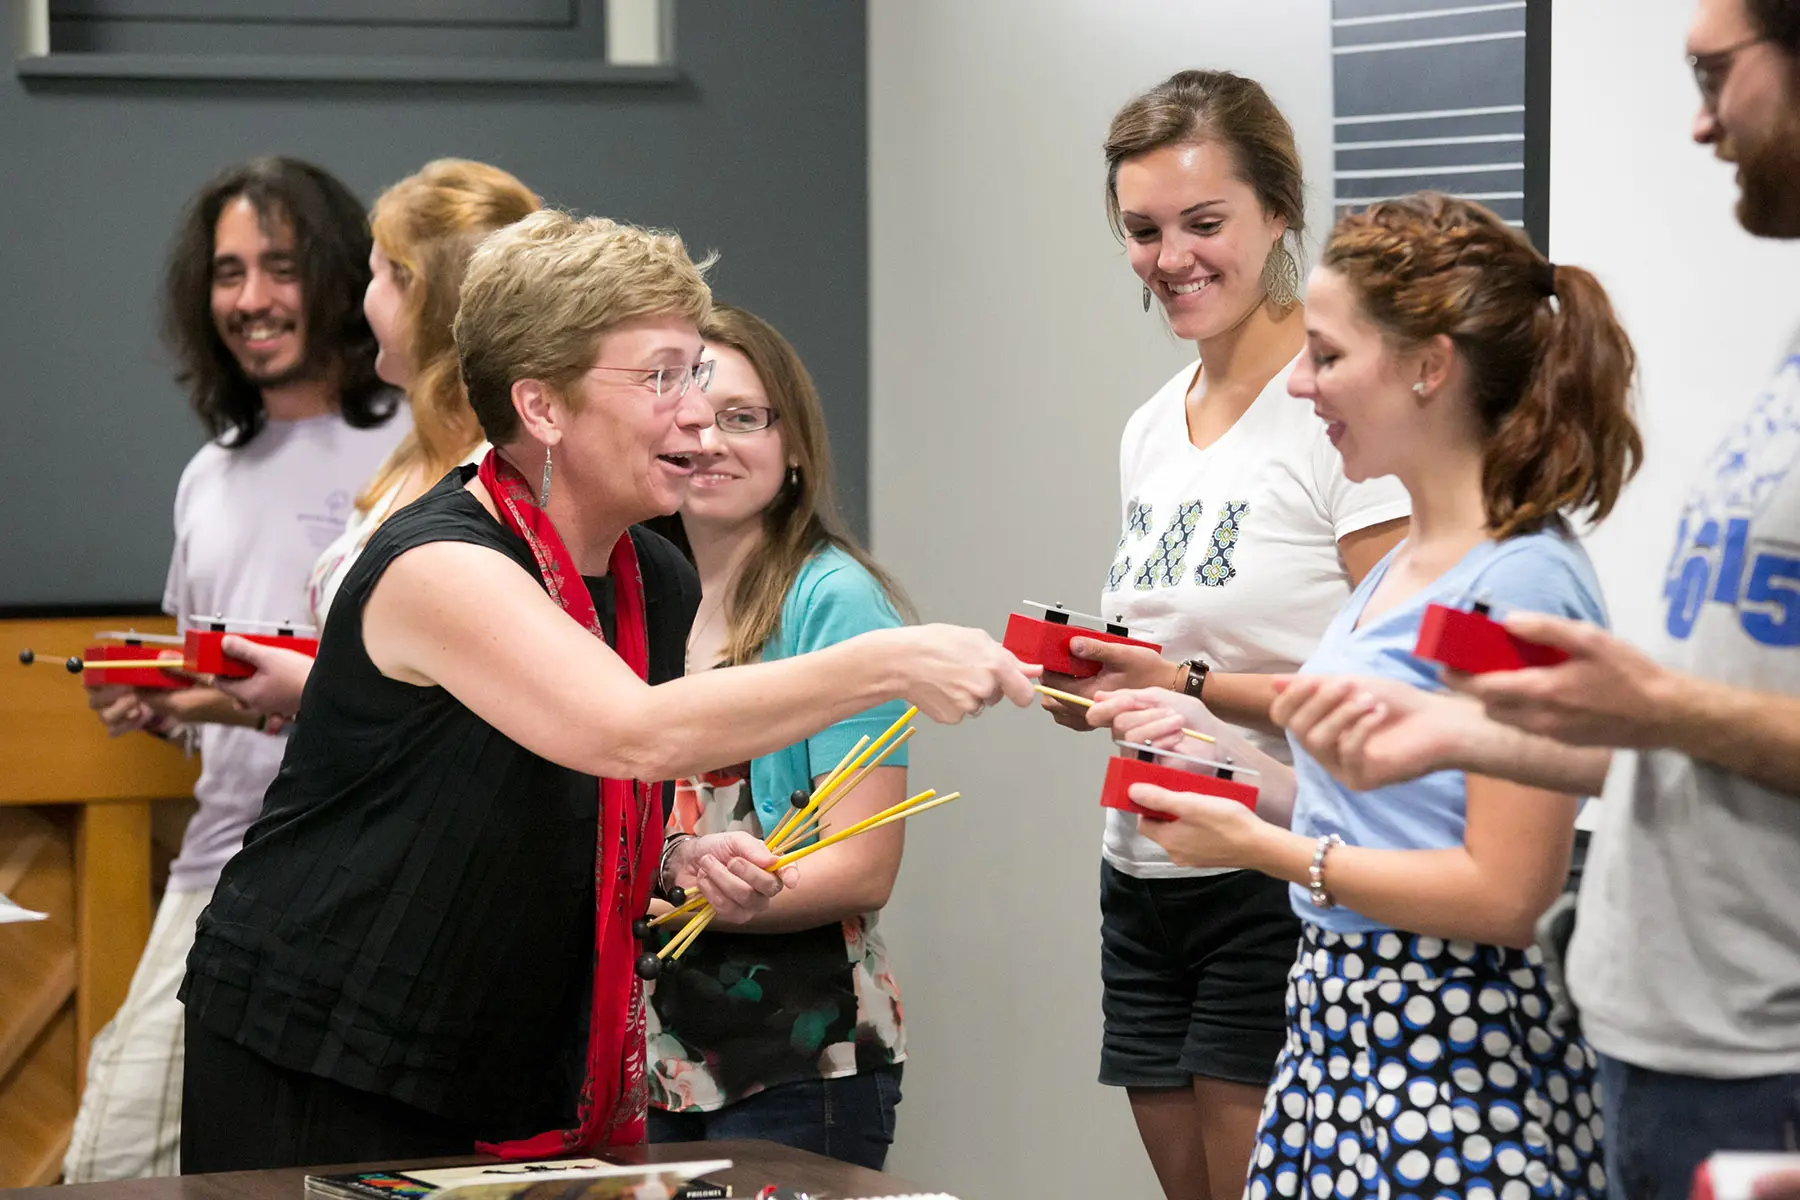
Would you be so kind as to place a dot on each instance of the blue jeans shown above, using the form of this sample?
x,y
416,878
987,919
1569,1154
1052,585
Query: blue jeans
x,y
850,1119
1660,1127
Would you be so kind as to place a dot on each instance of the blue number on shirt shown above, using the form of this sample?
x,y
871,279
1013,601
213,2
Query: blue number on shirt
x,y
1774,580
1686,587
1715,572
1731,558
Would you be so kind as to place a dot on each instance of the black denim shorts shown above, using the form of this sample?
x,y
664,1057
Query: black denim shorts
x,y
1195,977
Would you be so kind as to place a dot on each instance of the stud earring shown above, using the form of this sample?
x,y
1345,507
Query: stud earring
x,y
544,487
1146,297
1419,388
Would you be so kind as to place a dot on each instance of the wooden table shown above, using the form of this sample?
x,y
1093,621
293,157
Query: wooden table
x,y
754,1165
75,816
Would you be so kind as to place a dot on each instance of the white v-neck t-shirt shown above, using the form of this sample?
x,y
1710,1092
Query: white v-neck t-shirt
x,y
1230,554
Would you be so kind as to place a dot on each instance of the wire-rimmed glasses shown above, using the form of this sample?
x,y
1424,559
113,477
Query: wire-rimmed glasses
x,y
670,381
1710,70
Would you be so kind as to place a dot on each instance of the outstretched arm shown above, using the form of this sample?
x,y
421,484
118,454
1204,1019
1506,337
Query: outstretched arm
x,y
1609,693
468,619
1369,733
1239,698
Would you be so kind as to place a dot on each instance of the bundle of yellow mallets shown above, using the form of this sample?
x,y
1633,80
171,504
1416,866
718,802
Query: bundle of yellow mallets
x,y
801,822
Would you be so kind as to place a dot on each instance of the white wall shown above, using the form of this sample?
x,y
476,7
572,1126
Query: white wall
x,y
1708,307
1008,349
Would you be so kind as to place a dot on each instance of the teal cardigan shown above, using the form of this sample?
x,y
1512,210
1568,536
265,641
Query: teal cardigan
x,y
833,598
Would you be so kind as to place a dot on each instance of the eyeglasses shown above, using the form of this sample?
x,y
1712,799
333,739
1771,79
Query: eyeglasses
x,y
1711,68
747,419
670,381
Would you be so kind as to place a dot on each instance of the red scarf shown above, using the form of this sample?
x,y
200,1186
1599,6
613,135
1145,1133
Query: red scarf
x,y
614,1096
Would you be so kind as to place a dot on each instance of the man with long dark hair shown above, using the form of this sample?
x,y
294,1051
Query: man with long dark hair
x,y
263,312
298,344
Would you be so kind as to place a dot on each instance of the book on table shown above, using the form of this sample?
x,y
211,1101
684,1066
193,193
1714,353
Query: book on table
x,y
557,1179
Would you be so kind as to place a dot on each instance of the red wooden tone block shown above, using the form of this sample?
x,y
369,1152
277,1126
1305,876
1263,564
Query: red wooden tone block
x,y
1734,1174
1033,640
1123,770
204,656
143,677
1477,644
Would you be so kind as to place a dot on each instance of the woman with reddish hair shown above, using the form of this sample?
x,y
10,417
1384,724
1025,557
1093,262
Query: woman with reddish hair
x,y
1422,1053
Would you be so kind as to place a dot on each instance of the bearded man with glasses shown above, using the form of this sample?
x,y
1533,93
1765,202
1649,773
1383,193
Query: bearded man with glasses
x,y
1745,55
1685,959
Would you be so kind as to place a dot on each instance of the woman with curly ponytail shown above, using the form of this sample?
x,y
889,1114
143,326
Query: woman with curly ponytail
x,y
1422,1053
1542,366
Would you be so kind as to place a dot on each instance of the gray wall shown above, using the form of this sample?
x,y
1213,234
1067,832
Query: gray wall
x,y
1009,349
760,154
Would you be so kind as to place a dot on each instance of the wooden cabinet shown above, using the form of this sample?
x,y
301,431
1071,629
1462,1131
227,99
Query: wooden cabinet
x,y
75,842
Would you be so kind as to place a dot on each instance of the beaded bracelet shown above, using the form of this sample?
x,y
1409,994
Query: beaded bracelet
x,y
1315,874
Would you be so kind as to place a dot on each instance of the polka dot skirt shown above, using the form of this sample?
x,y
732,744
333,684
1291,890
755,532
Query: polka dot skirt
x,y
1417,1069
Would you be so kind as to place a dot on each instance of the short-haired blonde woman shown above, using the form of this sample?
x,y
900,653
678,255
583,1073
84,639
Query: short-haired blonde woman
x,y
426,941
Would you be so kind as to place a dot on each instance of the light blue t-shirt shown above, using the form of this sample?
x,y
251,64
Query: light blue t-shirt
x,y
833,598
1544,572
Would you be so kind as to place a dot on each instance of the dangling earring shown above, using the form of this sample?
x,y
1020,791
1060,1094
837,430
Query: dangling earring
x,y
1146,297
544,487
1281,276
793,477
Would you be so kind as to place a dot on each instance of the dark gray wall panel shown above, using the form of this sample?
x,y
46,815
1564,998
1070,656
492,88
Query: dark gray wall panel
x,y
760,153
482,28
1451,95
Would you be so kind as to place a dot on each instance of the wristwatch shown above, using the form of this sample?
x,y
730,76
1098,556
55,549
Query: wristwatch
x,y
1190,677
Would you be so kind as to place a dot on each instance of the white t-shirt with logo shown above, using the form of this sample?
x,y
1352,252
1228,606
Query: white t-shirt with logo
x,y
1686,955
1230,554
249,523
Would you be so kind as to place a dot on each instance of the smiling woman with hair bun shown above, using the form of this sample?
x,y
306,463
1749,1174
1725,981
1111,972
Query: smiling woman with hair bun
x,y
1240,539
